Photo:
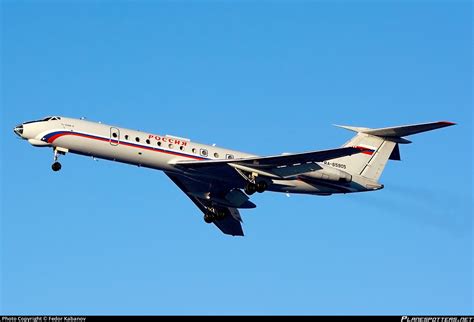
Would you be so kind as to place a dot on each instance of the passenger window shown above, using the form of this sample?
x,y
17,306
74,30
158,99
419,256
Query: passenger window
x,y
159,143
170,146
126,136
114,135
204,152
216,155
147,141
137,139
229,156
193,150
181,148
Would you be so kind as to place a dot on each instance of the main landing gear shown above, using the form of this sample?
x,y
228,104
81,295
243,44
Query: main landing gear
x,y
214,214
259,187
254,184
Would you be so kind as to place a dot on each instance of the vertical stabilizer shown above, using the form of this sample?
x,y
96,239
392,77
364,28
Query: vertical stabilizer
x,y
370,163
377,146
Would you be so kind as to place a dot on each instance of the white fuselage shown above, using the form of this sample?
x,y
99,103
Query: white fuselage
x,y
149,150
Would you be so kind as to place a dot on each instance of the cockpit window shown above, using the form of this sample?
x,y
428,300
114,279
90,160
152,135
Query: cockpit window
x,y
51,118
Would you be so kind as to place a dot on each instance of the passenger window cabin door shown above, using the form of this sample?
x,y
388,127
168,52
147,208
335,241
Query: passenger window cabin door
x,y
114,136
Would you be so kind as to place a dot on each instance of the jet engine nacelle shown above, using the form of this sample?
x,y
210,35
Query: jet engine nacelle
x,y
330,174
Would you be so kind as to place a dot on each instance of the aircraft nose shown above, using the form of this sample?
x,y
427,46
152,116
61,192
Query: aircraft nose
x,y
19,130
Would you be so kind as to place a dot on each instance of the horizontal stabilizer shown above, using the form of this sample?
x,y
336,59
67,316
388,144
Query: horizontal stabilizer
x,y
398,132
401,131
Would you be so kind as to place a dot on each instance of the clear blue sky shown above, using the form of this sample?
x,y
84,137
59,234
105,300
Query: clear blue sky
x,y
267,77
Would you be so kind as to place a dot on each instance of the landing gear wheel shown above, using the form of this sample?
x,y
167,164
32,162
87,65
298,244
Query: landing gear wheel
x,y
208,218
56,166
261,186
250,189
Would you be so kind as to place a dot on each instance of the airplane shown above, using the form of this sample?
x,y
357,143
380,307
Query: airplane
x,y
220,181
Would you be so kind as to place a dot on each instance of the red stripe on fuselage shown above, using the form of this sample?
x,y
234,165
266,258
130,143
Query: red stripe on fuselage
x,y
55,137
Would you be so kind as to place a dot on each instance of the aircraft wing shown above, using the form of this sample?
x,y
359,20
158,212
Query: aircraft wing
x,y
280,166
216,184
200,191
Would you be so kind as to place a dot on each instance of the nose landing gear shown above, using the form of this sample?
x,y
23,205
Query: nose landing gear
x,y
56,166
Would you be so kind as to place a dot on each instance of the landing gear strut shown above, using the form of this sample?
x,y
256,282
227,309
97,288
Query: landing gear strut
x,y
56,166
254,184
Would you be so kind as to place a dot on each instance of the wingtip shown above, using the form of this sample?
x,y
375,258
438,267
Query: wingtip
x,y
447,123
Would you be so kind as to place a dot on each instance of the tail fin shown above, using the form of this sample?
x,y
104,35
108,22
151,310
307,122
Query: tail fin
x,y
380,145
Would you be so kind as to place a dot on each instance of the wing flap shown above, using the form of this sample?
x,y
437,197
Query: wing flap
x,y
290,171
